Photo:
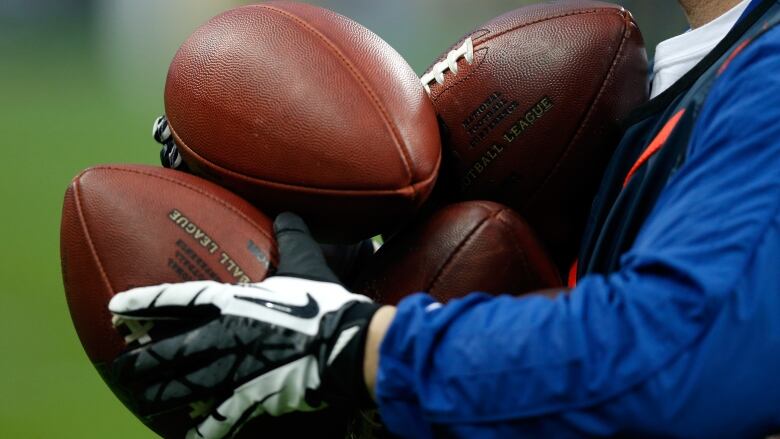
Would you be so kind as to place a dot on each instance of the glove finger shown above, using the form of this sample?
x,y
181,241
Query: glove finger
x,y
212,357
189,300
198,364
281,391
299,254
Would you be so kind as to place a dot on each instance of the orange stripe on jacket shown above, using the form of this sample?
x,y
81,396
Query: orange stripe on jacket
x,y
573,274
733,55
656,144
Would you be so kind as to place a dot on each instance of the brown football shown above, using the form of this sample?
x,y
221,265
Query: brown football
x,y
125,226
531,104
462,248
298,108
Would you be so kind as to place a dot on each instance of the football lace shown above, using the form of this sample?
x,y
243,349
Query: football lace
x,y
169,154
466,51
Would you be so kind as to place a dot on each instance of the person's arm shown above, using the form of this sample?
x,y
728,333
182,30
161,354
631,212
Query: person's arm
x,y
377,329
482,363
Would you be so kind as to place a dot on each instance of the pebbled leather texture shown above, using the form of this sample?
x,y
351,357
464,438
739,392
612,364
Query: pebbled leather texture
x,y
563,75
126,226
462,248
298,108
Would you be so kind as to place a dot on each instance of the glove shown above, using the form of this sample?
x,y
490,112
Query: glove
x,y
292,343
169,153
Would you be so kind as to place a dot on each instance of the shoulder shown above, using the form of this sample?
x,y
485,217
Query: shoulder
x,y
753,65
745,97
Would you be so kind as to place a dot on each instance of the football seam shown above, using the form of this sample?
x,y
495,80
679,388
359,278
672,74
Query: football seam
x,y
87,235
591,110
478,45
304,188
518,248
397,139
614,11
469,236
196,190
535,241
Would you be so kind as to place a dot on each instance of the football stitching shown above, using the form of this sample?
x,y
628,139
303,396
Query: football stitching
x,y
356,74
478,44
519,250
468,238
201,192
522,248
99,263
607,80
553,17
322,191
434,176
87,235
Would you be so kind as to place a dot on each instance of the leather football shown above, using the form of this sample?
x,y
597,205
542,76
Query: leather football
x,y
461,248
298,108
126,226
530,105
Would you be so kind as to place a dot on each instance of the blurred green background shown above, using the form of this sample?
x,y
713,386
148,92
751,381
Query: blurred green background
x,y
80,84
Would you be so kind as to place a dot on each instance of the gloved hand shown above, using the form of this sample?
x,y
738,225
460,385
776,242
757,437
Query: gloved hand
x,y
169,153
292,343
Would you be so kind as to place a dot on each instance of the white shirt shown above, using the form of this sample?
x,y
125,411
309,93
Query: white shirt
x,y
677,56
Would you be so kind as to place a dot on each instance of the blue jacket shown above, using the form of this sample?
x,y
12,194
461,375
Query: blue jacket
x,y
681,339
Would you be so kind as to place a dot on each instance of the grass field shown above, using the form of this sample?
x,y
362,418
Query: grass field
x,y
51,99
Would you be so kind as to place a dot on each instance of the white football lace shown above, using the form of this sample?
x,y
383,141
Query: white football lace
x,y
139,331
466,50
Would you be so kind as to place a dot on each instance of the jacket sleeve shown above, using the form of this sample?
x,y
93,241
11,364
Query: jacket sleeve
x,y
481,364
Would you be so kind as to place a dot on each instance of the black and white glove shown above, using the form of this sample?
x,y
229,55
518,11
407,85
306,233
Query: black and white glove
x,y
169,153
292,343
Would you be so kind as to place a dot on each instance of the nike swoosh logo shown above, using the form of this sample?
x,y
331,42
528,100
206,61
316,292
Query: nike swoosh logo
x,y
308,311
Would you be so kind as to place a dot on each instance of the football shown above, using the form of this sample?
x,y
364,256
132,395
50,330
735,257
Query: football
x,y
530,105
461,248
297,108
126,226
